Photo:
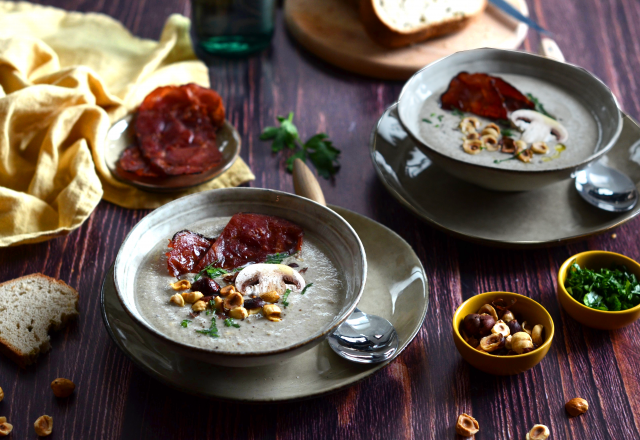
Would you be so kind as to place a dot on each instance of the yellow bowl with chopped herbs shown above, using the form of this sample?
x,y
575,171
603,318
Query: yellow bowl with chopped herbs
x,y
600,289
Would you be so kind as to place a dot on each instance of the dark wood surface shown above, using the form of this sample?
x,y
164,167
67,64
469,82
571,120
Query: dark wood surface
x,y
422,392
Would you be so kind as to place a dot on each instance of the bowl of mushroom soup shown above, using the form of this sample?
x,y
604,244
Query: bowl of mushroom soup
x,y
254,308
508,120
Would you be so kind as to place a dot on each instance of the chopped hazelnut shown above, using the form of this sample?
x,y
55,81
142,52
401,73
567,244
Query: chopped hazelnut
x,y
521,343
539,432
526,327
576,406
177,299
43,426
502,328
272,312
217,303
226,290
1,394
192,297
3,419
181,285
536,334
233,300
270,297
488,309
5,428
199,306
62,387
238,313
467,425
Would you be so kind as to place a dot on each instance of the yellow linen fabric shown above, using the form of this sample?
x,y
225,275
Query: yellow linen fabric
x,y
65,77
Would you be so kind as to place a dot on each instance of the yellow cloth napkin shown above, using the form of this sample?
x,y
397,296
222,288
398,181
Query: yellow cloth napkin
x,y
64,78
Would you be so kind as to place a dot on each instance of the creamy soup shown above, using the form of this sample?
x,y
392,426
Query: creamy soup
x,y
443,135
305,315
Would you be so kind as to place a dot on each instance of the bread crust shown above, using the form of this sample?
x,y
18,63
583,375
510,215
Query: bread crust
x,y
25,359
386,36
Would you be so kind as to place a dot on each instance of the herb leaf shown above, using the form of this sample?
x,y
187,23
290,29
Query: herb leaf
x,y
185,323
319,149
276,258
213,329
229,323
457,112
607,289
426,120
305,288
538,105
285,296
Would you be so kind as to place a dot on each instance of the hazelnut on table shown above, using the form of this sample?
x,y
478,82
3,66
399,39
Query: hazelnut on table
x,y
62,387
43,426
467,425
5,428
576,406
1,394
539,432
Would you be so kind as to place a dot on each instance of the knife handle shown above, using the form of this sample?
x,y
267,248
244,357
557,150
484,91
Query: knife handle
x,y
305,183
550,49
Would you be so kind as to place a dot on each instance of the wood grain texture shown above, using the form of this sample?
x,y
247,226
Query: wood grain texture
x,y
420,395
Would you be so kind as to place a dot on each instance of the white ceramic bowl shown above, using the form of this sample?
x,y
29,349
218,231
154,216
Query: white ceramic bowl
x,y
592,93
338,237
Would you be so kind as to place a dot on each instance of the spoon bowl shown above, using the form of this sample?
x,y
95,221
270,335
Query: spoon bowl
x,y
606,188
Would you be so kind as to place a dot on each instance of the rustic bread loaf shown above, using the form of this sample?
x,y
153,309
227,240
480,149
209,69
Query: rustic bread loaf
x,y
29,307
397,23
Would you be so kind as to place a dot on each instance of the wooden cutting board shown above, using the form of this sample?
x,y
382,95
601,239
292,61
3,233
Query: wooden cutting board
x,y
331,29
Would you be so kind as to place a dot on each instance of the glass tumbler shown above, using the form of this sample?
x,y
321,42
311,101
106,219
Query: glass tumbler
x,y
233,28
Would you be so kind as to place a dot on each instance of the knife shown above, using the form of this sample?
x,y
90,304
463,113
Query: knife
x,y
510,10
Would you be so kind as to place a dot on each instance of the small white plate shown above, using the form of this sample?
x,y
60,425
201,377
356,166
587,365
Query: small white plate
x,y
548,216
396,290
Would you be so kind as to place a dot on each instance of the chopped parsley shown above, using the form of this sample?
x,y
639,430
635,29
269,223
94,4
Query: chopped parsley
x,y
305,288
457,112
319,149
218,272
229,323
507,132
538,106
212,330
432,115
285,296
185,323
440,117
426,120
612,289
276,258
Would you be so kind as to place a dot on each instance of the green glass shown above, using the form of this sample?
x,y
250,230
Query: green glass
x,y
233,28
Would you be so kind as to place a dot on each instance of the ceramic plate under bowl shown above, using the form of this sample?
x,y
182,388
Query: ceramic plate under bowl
x,y
121,135
548,216
583,103
397,292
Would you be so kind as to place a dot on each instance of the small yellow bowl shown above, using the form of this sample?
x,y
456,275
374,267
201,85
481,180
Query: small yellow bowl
x,y
503,365
587,316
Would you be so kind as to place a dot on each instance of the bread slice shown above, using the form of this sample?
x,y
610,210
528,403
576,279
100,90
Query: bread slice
x,y
30,306
397,23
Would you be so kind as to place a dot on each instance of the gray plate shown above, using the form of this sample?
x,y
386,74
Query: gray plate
x,y
397,292
121,135
548,216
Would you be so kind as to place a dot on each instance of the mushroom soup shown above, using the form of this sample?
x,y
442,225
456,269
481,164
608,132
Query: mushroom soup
x,y
286,303
441,129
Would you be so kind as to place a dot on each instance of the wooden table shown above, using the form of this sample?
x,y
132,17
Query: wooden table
x,y
421,393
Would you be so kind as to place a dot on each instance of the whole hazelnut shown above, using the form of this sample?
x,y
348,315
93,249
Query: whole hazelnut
x,y
521,343
576,406
467,425
507,316
43,426
539,432
5,429
478,325
62,387
492,342
514,326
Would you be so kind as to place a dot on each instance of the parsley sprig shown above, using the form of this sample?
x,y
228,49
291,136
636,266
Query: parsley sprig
x,y
285,296
230,323
217,272
319,149
212,330
538,105
305,288
185,323
608,289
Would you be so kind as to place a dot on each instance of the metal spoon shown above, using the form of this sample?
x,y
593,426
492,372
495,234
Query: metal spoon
x,y
367,339
606,188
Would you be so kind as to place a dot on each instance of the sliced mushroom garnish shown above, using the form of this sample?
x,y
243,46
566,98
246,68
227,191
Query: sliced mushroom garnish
x,y
537,127
261,278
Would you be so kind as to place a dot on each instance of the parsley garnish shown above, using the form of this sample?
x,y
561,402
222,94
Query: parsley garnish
x,y
511,158
212,272
426,120
285,296
212,331
229,323
185,323
440,117
538,106
457,112
507,132
319,149
276,258
305,288
608,289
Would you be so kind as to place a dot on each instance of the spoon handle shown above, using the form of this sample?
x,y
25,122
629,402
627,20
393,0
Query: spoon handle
x,y
550,49
305,183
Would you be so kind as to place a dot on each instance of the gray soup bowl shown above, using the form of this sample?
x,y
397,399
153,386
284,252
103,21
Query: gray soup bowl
x,y
592,93
339,238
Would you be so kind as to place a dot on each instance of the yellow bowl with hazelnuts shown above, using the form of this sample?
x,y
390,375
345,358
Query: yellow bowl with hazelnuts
x,y
502,333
